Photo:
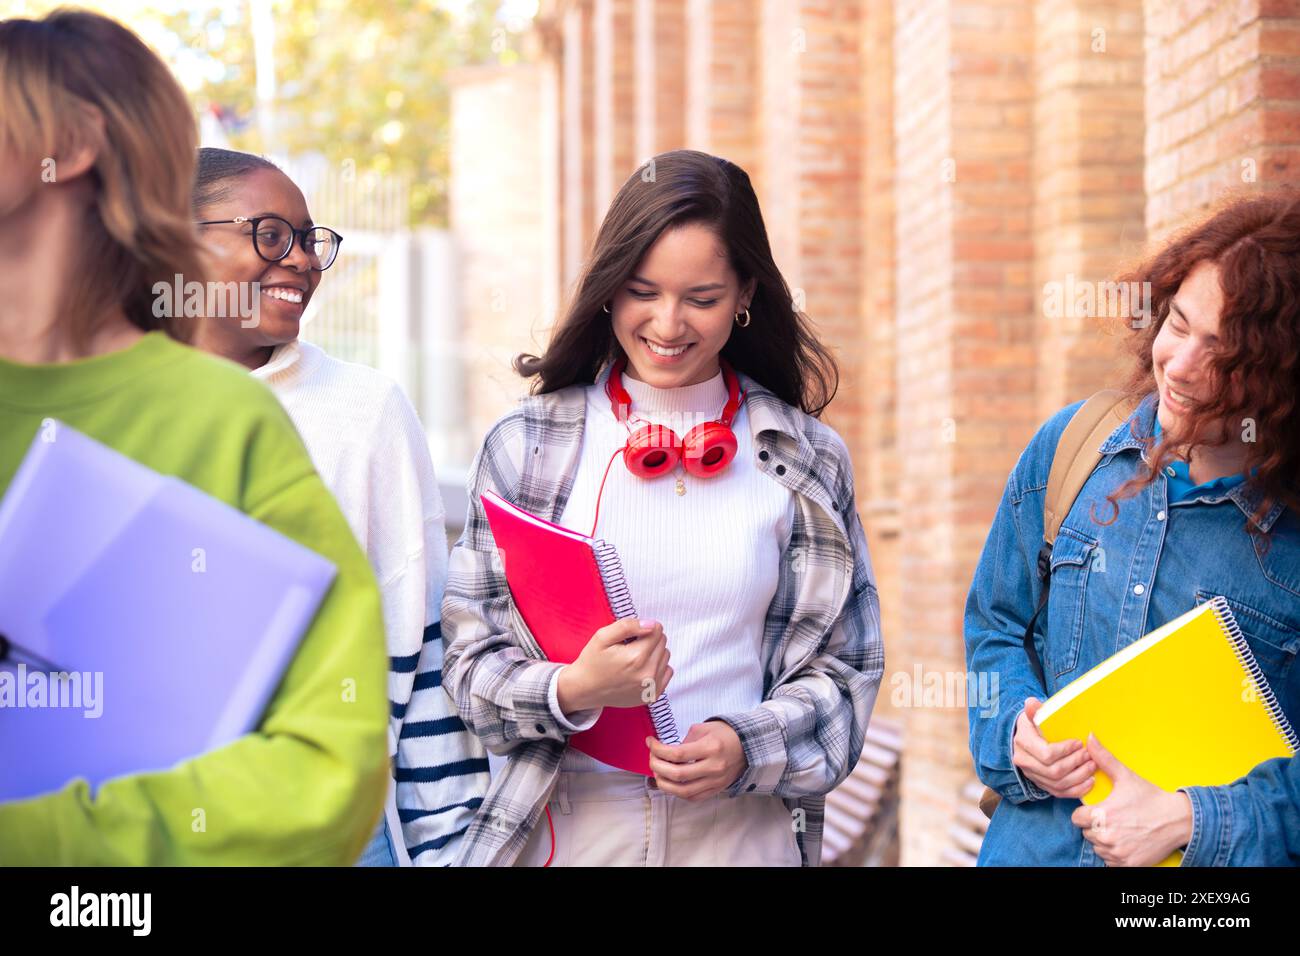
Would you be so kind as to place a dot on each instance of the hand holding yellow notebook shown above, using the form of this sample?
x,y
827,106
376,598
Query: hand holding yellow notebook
x,y
1187,705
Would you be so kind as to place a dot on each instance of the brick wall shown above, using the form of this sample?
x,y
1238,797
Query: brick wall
x,y
504,227
876,434
927,169
722,60
1087,169
925,282
614,116
1222,101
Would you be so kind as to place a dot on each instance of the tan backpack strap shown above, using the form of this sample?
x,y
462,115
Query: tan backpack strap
x,y
1077,454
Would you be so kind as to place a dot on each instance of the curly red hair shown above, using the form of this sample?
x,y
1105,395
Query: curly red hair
x,y
1255,243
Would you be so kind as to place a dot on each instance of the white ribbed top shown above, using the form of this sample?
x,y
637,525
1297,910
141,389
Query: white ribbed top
x,y
368,445
705,564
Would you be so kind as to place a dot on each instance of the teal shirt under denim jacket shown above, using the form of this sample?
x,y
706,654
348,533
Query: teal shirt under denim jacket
x,y
1111,584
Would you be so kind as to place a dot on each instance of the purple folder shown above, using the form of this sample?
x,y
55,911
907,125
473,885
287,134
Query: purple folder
x,y
174,614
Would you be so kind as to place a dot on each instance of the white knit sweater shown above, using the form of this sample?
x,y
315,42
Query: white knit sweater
x,y
367,442
704,564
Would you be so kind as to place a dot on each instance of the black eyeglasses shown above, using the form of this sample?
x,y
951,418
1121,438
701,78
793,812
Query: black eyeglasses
x,y
273,239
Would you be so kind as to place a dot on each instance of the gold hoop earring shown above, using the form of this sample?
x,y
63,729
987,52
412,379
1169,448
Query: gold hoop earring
x,y
605,306
745,324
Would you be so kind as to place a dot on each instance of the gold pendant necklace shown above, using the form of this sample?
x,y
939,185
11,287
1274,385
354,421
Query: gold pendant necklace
x,y
681,486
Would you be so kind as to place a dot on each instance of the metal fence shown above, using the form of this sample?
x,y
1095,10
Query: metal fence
x,y
389,302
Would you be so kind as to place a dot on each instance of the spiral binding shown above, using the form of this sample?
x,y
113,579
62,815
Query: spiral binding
x,y
1228,621
620,602
665,725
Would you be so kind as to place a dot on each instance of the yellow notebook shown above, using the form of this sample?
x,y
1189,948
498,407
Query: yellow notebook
x,y
1187,705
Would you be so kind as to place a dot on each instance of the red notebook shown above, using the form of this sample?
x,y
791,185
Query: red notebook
x,y
566,587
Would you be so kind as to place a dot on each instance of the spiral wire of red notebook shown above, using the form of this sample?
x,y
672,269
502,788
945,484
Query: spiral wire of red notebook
x,y
566,586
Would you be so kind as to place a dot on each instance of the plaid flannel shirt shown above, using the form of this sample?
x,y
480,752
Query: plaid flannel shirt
x,y
822,652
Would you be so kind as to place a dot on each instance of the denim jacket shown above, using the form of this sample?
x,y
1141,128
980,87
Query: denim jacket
x,y
1111,585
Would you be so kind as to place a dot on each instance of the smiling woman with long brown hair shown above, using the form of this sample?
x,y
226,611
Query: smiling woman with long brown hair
x,y
734,515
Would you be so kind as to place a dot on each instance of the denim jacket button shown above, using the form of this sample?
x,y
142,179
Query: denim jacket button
x,y
1138,589
1160,516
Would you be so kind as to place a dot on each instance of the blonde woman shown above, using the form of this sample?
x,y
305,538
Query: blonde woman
x,y
96,162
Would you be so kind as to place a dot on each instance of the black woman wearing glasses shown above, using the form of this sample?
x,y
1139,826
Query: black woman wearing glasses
x,y
368,444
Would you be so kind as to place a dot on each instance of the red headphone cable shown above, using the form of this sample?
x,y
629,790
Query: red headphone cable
x,y
550,823
602,489
552,827
595,521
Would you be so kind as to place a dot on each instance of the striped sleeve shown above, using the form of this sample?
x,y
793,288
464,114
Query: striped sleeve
x,y
442,768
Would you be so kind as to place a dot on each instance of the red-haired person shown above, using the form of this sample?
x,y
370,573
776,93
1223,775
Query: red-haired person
x,y
1194,496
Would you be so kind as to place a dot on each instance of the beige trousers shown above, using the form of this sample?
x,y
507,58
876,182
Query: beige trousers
x,y
615,818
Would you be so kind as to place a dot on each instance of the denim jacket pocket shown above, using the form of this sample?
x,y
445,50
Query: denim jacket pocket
x,y
1274,643
1072,560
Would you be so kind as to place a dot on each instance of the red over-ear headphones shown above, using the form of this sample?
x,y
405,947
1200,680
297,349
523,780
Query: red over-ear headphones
x,y
653,450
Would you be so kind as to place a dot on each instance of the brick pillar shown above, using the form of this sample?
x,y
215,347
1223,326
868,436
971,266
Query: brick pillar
x,y
874,442
830,142
659,57
1088,198
722,59
809,167
577,156
965,348
776,179
1223,103
502,224
614,114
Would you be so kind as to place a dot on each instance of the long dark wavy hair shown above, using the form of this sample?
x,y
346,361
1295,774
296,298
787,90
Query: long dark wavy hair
x,y
1255,243
778,349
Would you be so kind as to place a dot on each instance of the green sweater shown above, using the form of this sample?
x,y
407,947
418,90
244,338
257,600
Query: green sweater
x,y
306,787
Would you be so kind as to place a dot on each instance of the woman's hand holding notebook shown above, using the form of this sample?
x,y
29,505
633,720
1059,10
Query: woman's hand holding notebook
x,y
566,588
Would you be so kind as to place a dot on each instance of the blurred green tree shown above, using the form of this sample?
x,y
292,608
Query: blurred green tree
x,y
363,82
